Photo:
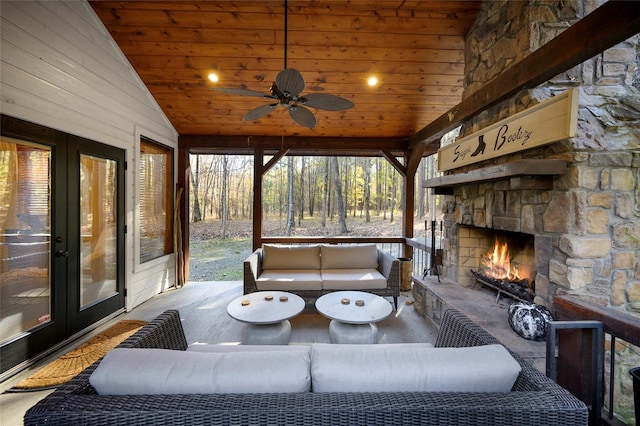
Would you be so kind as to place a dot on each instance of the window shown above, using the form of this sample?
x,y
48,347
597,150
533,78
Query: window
x,y
156,200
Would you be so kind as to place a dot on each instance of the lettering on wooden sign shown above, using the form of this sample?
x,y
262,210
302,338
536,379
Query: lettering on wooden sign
x,y
549,121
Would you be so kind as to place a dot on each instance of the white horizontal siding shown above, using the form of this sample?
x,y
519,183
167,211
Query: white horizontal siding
x,y
62,69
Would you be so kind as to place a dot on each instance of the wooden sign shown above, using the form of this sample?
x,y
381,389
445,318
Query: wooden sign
x,y
544,123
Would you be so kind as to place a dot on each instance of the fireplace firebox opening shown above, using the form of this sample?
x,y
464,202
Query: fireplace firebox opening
x,y
499,259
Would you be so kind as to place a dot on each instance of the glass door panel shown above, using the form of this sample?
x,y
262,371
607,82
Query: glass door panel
x,y
25,237
98,233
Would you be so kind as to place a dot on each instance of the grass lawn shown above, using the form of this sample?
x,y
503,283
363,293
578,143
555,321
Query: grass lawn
x,y
219,259
213,258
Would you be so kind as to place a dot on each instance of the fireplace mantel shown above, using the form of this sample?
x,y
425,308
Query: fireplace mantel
x,y
531,168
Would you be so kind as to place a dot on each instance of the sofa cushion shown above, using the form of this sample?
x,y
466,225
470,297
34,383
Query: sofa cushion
x,y
288,280
397,368
126,371
361,256
290,257
352,279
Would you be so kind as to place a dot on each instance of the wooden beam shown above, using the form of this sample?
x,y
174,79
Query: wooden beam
x,y
407,209
414,156
615,322
610,24
201,144
394,162
274,160
531,167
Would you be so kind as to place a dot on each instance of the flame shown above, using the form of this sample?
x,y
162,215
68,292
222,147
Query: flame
x,y
497,263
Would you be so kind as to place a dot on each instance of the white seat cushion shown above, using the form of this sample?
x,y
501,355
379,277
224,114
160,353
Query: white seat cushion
x,y
126,371
290,257
289,279
398,368
361,256
352,279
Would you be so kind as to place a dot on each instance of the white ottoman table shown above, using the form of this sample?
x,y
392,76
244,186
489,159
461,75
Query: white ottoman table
x,y
266,314
353,315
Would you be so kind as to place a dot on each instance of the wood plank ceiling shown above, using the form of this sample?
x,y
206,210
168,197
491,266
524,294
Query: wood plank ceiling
x,y
414,48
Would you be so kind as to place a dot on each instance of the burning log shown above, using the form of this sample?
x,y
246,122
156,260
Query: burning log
x,y
519,289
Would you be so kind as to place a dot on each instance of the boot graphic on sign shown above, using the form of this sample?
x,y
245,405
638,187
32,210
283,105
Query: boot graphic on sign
x,y
481,146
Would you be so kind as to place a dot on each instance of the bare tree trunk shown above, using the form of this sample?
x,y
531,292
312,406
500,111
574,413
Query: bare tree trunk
x,y
339,200
379,200
367,189
394,190
313,187
195,180
355,186
325,195
385,190
302,171
225,201
420,189
291,204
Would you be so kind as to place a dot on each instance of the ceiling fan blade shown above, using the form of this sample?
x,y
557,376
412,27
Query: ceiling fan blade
x,y
291,81
242,92
326,102
302,116
261,111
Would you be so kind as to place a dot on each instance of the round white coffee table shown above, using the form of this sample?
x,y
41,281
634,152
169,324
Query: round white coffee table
x,y
266,314
350,322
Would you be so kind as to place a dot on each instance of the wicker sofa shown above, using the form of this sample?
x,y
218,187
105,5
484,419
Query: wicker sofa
x,y
313,270
534,399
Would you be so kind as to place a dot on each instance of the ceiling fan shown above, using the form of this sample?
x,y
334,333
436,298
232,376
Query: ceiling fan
x,y
286,91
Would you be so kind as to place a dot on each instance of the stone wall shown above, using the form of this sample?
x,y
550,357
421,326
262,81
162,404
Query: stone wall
x,y
588,222
592,213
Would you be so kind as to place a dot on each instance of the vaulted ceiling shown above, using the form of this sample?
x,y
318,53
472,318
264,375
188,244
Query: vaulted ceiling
x,y
414,48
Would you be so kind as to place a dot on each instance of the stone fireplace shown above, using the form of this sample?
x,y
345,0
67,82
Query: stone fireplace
x,y
584,219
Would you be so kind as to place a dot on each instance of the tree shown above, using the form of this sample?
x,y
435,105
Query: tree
x,y
421,190
367,189
302,171
325,194
291,204
224,192
337,183
195,178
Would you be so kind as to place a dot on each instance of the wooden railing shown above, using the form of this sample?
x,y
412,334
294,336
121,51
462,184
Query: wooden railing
x,y
617,325
393,245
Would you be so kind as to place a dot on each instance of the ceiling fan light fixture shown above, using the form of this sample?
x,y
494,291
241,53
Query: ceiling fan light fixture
x,y
286,90
213,77
372,81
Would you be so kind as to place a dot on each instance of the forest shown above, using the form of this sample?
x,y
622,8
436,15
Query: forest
x,y
340,190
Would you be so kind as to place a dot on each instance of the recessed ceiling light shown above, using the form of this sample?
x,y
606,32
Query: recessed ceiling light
x,y
213,77
372,81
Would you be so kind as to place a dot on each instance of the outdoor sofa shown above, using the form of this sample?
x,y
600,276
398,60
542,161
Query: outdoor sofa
x,y
313,270
533,400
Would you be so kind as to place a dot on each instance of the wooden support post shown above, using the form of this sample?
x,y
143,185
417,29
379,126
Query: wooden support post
x,y
409,205
184,172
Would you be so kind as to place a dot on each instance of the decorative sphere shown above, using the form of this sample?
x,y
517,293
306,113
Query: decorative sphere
x,y
529,320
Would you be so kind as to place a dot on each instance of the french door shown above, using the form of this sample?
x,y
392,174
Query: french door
x,y
61,237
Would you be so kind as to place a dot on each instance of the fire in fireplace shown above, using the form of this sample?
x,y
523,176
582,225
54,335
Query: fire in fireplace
x,y
505,262
497,263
